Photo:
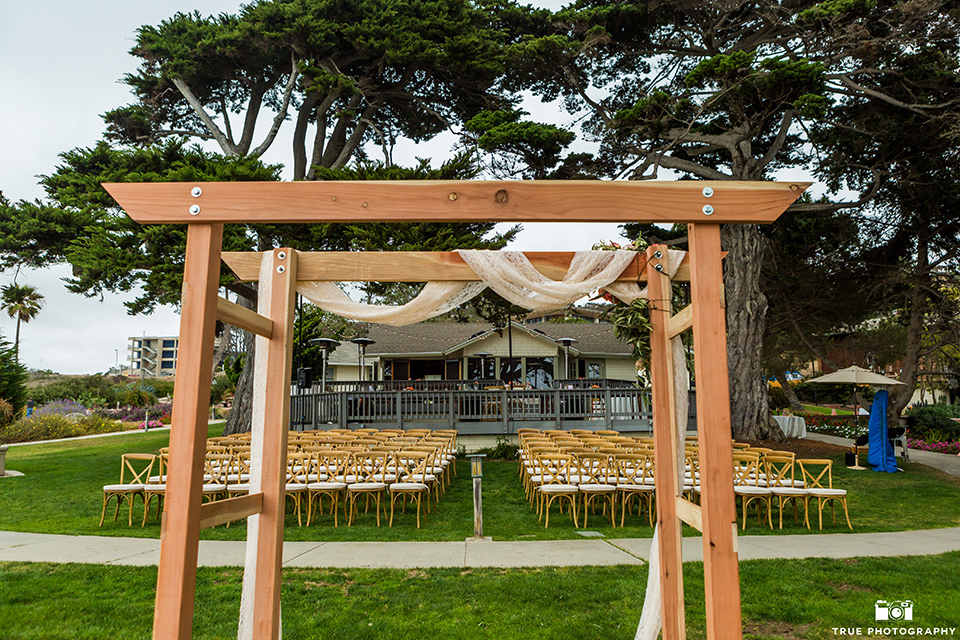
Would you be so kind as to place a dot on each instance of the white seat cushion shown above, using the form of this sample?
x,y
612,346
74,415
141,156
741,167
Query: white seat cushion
x,y
788,491
123,487
558,488
326,486
155,488
827,493
597,488
216,488
646,488
747,490
238,488
295,486
408,486
366,486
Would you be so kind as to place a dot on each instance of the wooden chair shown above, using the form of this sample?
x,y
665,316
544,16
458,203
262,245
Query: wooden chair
x,y
594,471
554,471
334,466
139,466
370,469
635,480
410,465
779,470
815,472
298,468
746,475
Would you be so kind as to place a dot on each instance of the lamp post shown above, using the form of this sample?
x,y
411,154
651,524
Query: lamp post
x,y
362,344
476,470
483,355
566,342
326,346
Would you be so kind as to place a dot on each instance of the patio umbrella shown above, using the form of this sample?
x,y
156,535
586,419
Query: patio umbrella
x,y
858,375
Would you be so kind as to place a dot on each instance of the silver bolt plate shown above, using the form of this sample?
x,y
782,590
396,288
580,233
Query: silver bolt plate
x,y
281,269
196,192
194,209
707,210
707,192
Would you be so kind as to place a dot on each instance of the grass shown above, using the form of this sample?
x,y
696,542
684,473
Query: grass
x,y
813,408
781,599
61,493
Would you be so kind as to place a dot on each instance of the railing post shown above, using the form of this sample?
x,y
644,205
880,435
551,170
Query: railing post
x,y
451,409
556,407
399,408
606,408
342,402
504,410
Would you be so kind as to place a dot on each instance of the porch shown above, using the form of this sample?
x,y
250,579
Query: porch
x,y
475,406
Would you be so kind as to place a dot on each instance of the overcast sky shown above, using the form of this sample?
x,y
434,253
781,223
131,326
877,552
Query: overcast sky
x,y
60,62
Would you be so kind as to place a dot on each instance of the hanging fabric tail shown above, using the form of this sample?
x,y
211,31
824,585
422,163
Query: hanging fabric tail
x,y
880,456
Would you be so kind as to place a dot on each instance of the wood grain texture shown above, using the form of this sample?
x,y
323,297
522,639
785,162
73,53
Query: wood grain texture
x,y
224,511
278,358
416,266
682,321
177,572
690,513
720,564
665,448
238,316
456,201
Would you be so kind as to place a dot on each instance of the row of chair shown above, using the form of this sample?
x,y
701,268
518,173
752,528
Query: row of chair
x,y
342,467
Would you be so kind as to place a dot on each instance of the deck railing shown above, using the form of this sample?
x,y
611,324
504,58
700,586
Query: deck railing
x,y
477,410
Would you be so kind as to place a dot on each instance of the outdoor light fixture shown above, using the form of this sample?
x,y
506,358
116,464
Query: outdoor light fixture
x,y
566,342
362,344
476,470
326,346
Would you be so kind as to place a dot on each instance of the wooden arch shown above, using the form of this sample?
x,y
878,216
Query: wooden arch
x,y
206,207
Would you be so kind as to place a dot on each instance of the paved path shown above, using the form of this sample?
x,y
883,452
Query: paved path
x,y
39,547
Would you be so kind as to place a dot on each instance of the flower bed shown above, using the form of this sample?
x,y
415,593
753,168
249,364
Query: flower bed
x,y
935,447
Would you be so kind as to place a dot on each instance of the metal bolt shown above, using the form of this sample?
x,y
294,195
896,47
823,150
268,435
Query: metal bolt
x,y
364,205
707,210
453,196
501,196
658,267
281,269
658,254
196,192
281,255
194,209
334,198
707,192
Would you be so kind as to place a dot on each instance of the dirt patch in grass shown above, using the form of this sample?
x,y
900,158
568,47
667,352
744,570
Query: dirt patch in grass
x,y
843,587
774,629
802,448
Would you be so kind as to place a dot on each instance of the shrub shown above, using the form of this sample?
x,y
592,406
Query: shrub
x,y
952,448
13,377
837,425
139,414
60,408
138,396
53,426
777,398
221,386
6,413
93,389
933,424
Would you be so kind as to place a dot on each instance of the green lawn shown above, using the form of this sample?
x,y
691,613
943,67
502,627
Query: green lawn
x,y
813,408
61,493
781,599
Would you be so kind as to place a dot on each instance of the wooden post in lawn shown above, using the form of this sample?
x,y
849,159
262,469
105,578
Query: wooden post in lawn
x,y
260,601
659,290
721,571
180,528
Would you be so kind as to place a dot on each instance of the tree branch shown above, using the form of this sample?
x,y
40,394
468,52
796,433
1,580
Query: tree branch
x,y
228,148
282,112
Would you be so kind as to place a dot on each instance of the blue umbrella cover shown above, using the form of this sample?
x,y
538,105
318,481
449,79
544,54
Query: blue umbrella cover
x,y
880,455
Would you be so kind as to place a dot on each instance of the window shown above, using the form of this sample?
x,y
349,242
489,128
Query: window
x,y
539,372
169,344
400,370
452,370
473,368
590,368
511,372
169,354
136,365
136,355
136,344
167,364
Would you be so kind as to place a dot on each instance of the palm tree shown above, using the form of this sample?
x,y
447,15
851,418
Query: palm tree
x,y
22,302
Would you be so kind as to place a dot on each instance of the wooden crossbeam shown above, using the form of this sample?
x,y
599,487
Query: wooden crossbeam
x,y
456,201
224,511
680,322
238,316
690,513
416,266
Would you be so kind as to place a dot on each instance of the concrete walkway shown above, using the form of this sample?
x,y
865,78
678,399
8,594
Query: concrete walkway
x,y
39,547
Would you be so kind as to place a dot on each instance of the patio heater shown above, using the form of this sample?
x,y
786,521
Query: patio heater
x,y
362,344
326,346
566,342
483,355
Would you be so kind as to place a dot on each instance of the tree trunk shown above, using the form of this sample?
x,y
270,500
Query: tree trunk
x,y
241,414
746,319
900,396
795,404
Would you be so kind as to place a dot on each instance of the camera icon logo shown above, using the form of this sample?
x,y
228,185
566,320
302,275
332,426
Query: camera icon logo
x,y
893,610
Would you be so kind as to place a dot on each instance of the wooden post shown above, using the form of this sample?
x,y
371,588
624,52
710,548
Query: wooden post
x,y
665,445
274,362
721,571
180,533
